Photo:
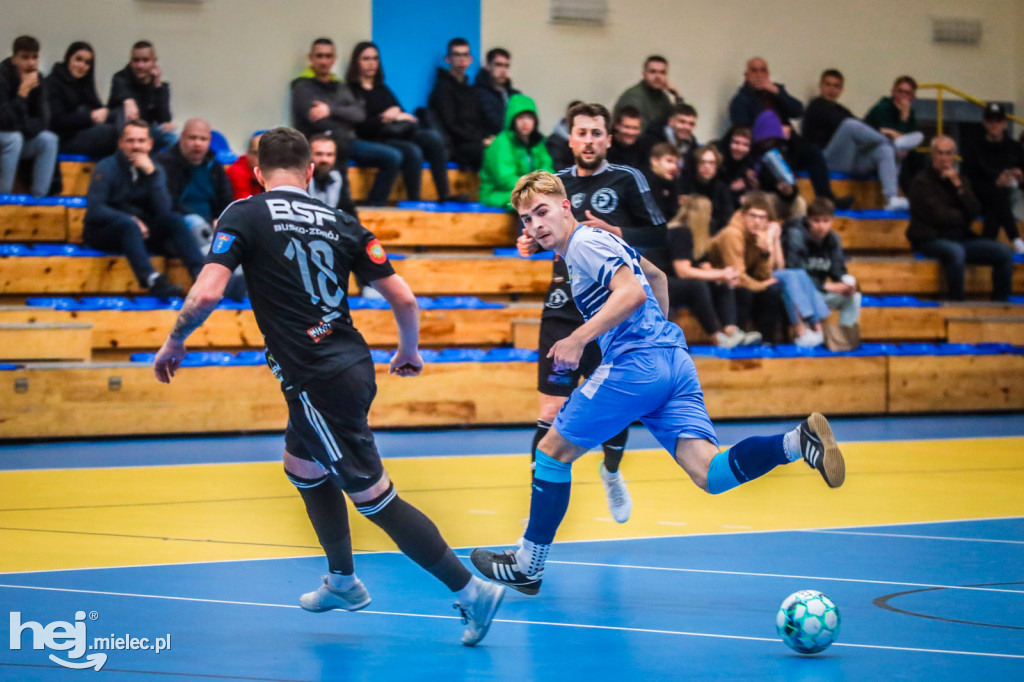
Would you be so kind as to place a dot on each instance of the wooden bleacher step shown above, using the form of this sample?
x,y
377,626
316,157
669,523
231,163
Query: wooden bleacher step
x,y
986,330
45,341
526,333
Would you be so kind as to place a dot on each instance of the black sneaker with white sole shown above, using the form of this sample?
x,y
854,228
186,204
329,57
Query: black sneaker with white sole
x,y
501,568
819,449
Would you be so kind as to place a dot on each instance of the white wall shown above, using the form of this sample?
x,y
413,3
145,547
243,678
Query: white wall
x,y
229,61
707,44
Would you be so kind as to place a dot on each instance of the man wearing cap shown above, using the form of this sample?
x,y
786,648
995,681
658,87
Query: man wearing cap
x,y
995,166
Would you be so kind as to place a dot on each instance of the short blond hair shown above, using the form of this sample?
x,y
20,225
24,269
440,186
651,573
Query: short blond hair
x,y
537,182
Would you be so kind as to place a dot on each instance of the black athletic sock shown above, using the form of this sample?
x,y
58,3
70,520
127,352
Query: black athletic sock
x,y
417,537
613,449
325,506
542,430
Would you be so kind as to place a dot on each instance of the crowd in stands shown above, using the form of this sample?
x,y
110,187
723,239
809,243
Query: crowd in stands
x,y
747,250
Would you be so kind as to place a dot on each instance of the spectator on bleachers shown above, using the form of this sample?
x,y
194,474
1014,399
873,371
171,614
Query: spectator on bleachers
x,y
894,117
995,166
942,209
759,93
494,89
389,138
516,151
77,114
812,245
708,203
329,184
198,185
323,103
750,245
241,174
454,103
654,96
129,208
737,170
662,173
139,92
849,144
24,119
708,292
677,130
557,143
625,149
769,152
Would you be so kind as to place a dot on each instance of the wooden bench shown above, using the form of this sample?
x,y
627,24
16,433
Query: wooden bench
x,y
33,223
69,275
125,399
986,330
867,193
136,330
914,276
45,341
956,383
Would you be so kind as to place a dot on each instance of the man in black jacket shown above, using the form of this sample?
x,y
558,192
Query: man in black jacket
x,y
24,119
849,144
626,148
493,88
323,103
454,102
138,91
199,187
942,208
995,167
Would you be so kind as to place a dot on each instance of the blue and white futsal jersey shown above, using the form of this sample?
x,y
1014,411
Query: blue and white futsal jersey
x,y
593,256
647,373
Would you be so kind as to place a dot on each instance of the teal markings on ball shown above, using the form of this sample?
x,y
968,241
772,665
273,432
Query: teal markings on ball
x,y
808,621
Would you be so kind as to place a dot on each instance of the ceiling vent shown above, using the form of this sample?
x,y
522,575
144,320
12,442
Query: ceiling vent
x,y
956,31
579,12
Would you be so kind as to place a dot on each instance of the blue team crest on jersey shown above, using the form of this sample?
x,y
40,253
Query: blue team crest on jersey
x,y
223,242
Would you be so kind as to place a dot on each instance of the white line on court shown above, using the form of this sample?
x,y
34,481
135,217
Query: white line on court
x,y
783,575
915,537
582,626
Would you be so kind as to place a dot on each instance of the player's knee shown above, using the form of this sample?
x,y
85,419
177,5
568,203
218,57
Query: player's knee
x,y
549,407
302,468
304,483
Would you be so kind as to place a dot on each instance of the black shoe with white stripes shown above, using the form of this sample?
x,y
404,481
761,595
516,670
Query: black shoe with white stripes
x,y
501,568
820,450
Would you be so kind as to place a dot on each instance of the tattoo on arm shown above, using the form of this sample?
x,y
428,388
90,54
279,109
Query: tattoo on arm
x,y
190,318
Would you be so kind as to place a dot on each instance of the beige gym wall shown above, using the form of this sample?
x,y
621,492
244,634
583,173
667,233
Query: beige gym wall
x,y
231,60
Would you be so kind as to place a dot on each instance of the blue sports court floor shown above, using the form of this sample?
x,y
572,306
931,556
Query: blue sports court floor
x,y
203,544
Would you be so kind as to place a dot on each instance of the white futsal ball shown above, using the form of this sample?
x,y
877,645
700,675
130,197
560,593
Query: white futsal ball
x,y
808,621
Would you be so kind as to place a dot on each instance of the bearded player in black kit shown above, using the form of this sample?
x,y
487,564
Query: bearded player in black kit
x,y
297,255
616,199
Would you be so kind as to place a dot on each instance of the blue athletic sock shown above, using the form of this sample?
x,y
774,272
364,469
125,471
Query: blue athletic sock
x,y
552,481
749,459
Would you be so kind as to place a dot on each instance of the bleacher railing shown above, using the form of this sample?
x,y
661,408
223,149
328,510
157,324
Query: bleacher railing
x,y
942,88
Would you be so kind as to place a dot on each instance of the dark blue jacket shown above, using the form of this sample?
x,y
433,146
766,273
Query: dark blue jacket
x,y
747,103
113,194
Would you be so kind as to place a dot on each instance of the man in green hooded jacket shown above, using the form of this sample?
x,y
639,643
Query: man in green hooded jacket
x,y
517,150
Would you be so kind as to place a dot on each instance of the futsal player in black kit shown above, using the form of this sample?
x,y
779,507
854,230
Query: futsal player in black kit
x,y
617,199
297,255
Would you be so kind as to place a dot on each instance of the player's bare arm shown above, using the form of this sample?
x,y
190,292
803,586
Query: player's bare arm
x,y
202,299
407,361
626,298
659,283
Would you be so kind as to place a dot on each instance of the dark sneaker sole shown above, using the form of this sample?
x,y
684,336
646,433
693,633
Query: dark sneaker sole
x,y
833,466
481,560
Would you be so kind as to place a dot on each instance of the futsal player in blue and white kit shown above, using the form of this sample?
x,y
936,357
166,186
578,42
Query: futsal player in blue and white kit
x,y
646,374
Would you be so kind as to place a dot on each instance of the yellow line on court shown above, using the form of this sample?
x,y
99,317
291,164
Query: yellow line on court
x,y
75,518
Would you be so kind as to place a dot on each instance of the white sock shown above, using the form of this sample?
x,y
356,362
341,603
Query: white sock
x,y
531,556
609,476
341,582
791,444
469,593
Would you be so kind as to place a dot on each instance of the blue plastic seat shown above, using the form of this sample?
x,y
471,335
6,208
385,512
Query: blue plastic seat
x,y
505,252
55,302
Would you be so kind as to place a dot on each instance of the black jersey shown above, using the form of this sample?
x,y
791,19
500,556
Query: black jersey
x,y
620,196
297,254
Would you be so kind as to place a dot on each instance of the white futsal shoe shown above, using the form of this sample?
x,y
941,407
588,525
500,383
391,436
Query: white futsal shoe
x,y
326,598
620,504
478,614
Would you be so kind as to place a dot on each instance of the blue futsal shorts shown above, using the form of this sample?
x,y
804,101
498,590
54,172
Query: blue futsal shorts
x,y
658,386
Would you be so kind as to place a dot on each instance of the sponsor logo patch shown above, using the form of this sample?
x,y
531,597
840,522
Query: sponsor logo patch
x,y
223,242
604,200
376,252
320,332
